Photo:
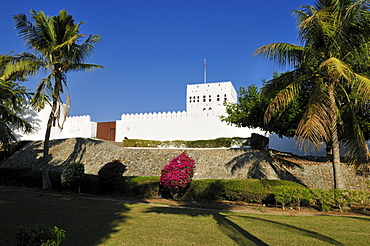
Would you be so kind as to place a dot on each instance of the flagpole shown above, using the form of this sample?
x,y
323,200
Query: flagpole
x,y
205,70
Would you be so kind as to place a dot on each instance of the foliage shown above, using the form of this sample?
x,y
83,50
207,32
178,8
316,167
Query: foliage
x,y
12,176
176,176
72,175
247,190
268,192
211,143
251,106
12,99
331,66
142,187
323,197
40,236
111,174
283,195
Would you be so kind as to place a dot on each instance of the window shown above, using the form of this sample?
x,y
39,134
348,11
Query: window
x,y
218,98
197,98
225,97
204,98
210,99
190,99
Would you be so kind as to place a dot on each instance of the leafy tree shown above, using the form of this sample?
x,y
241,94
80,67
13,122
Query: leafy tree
x,y
251,106
12,98
332,64
55,48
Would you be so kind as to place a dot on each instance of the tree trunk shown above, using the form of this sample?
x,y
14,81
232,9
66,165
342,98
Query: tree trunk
x,y
46,184
337,166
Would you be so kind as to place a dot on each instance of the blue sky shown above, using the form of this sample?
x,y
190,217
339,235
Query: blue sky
x,y
151,49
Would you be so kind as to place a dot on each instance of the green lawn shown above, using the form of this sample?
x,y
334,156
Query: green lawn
x,y
106,222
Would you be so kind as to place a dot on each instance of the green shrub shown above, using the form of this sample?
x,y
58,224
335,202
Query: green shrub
x,y
323,197
33,178
91,184
247,190
206,189
40,236
71,176
283,195
12,176
360,199
211,143
292,195
341,198
142,187
110,175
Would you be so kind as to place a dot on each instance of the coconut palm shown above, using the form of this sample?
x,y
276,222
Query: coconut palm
x,y
55,48
12,98
331,65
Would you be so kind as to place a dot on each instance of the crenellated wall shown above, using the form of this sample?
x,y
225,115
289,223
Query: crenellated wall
x,y
177,126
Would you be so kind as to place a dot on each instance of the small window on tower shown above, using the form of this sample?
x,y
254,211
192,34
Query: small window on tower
x,y
210,99
204,98
225,97
197,98
218,98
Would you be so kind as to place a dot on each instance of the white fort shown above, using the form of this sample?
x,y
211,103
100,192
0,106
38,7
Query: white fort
x,y
201,120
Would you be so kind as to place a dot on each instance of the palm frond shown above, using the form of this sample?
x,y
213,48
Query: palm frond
x,y
315,125
282,100
284,54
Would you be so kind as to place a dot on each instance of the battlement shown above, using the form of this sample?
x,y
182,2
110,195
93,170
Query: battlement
x,y
210,83
81,118
164,115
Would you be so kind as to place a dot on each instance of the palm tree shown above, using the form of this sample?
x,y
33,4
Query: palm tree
x,y
331,65
12,98
55,48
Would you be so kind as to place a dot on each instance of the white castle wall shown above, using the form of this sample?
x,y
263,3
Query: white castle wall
x,y
204,105
75,126
176,126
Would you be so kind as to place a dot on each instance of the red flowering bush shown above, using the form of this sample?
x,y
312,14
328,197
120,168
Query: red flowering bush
x,y
111,173
176,176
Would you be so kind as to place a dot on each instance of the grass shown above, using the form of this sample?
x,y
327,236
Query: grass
x,y
111,222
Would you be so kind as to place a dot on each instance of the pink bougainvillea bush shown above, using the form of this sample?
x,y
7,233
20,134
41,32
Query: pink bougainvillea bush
x,y
176,176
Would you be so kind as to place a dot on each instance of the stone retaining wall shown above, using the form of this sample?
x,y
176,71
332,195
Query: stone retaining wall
x,y
210,163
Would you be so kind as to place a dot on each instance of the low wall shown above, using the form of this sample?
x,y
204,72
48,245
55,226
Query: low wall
x,y
210,163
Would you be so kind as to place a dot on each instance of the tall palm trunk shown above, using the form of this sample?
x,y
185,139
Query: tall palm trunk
x,y
46,183
337,166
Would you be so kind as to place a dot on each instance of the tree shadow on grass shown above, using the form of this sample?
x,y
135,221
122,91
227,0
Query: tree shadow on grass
x,y
86,222
236,233
295,229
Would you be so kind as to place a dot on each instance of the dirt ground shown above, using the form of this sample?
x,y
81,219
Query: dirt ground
x,y
249,208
